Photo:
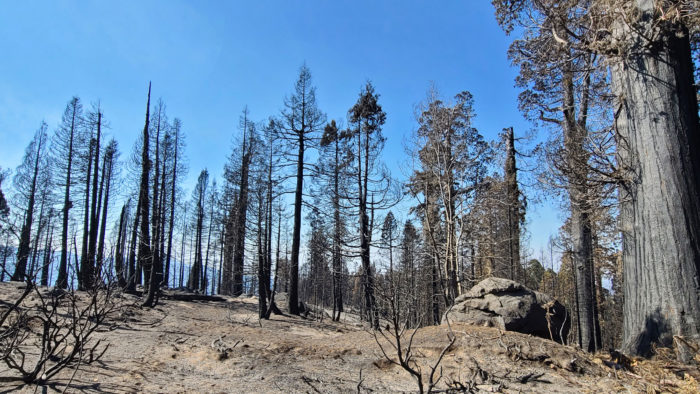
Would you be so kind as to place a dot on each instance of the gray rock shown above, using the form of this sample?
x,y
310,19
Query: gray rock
x,y
508,305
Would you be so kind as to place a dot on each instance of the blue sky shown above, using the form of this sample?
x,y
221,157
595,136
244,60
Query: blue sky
x,y
209,59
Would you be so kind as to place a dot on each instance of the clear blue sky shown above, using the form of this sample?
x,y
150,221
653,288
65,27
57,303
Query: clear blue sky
x,y
208,59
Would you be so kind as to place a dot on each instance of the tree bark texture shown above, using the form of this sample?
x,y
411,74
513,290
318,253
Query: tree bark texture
x,y
658,139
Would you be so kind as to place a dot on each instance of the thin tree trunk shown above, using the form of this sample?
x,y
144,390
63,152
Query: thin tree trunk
x,y
296,234
182,253
241,213
103,225
89,267
46,266
262,241
37,238
23,248
86,219
172,205
363,178
145,255
134,269
514,207
337,258
575,135
156,270
206,258
119,255
62,280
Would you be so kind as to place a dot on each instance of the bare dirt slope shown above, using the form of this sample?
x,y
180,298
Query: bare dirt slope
x,y
222,347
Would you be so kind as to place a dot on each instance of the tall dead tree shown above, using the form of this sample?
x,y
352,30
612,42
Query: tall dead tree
x,y
87,268
198,198
156,265
242,206
334,162
515,207
25,181
86,162
178,170
235,201
119,261
212,201
108,175
63,150
301,122
373,187
48,251
145,253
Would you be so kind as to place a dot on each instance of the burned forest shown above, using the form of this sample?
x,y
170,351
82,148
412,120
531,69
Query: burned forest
x,y
504,197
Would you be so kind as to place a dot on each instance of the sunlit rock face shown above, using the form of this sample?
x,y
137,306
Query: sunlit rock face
x,y
508,305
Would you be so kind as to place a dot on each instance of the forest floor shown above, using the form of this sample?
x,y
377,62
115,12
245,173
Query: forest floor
x,y
222,347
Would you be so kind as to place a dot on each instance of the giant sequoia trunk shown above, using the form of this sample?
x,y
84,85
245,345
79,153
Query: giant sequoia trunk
x,y
658,137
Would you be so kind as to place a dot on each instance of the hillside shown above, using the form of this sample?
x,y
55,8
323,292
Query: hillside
x,y
221,346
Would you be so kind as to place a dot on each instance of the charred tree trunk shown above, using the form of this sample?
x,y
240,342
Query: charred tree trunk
x,y
514,207
337,237
226,286
657,125
296,234
48,252
25,234
145,254
119,267
133,269
88,268
206,256
62,280
194,282
40,227
575,128
241,216
86,217
171,225
263,275
161,230
365,228
156,271
182,252
107,177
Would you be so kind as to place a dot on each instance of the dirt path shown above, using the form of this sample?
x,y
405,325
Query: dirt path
x,y
172,349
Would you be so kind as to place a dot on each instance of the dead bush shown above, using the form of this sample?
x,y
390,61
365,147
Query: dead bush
x,y
45,331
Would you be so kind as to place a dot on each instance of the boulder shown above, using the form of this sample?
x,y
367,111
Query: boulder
x,y
508,305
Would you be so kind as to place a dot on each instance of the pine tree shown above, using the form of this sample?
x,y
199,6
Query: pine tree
x,y
26,180
301,121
